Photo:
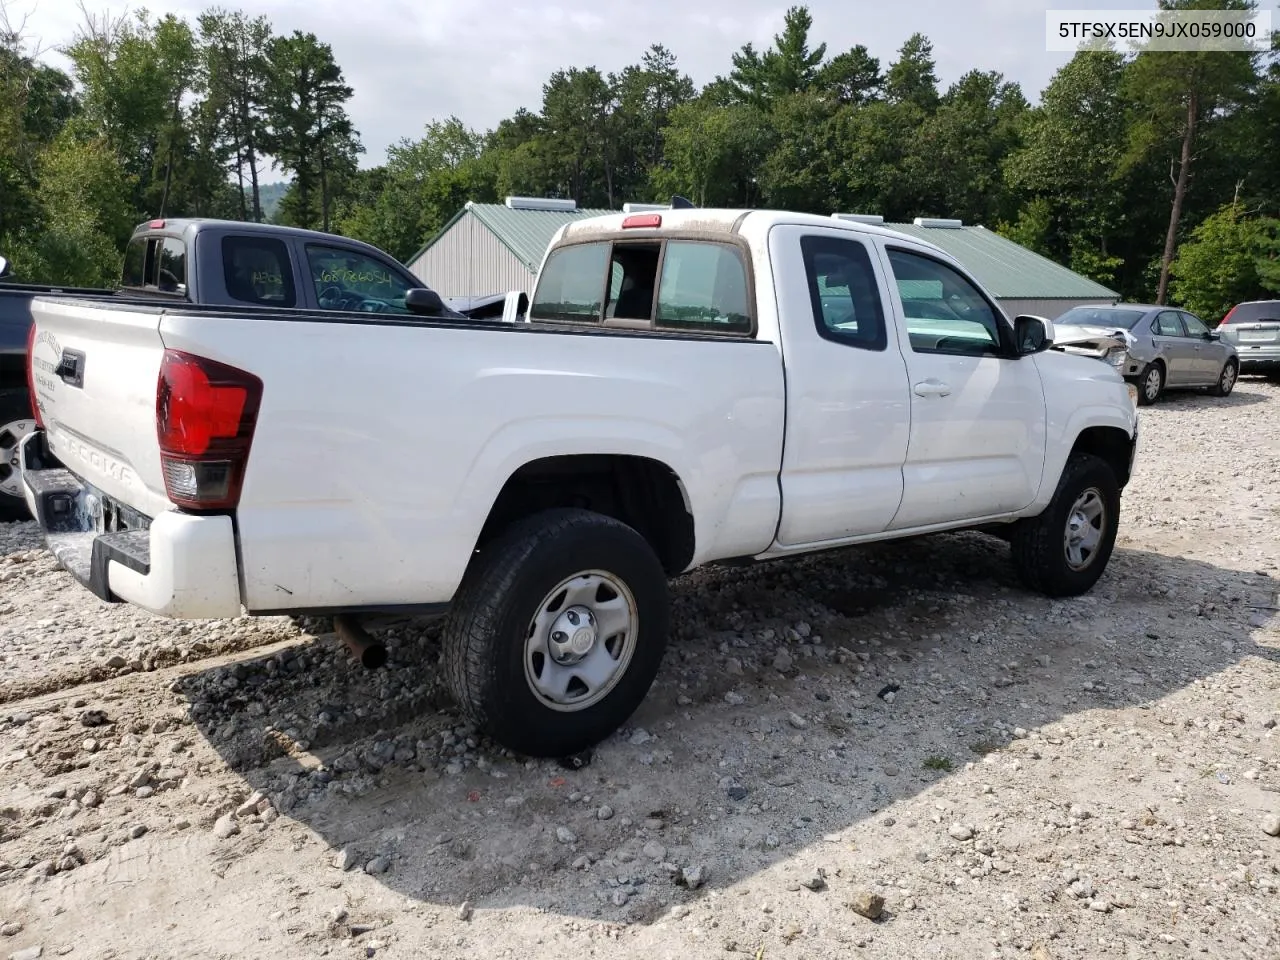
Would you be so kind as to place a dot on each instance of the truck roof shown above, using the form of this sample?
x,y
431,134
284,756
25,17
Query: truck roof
x,y
189,226
725,221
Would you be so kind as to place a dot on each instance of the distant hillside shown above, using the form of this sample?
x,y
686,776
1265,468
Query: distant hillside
x,y
270,195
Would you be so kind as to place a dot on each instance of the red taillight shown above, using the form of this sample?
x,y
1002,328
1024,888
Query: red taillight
x,y
31,376
205,416
1227,318
156,224
642,220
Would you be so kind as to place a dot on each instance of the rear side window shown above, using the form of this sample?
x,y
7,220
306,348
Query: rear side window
x,y
256,270
172,274
704,287
846,301
135,263
572,283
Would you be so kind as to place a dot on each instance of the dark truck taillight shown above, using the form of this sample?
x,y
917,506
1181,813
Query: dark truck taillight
x,y
205,417
31,376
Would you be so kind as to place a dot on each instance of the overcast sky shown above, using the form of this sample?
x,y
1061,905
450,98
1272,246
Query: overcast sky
x,y
411,61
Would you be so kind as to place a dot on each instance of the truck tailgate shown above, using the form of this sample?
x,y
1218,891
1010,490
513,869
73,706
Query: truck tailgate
x,y
95,370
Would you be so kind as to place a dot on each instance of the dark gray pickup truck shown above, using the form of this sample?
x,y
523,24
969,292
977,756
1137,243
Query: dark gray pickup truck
x,y
212,263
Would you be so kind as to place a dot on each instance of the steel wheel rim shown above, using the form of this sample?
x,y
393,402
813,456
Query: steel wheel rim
x,y
580,641
1228,377
1151,386
11,436
1086,522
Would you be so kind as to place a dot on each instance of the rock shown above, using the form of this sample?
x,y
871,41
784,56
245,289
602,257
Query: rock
x,y
733,667
225,827
90,745
605,812
143,792
737,792
867,904
640,737
10,930
960,831
797,721
377,865
565,835
655,851
30,953
137,830
815,883
693,877
90,799
1100,906
346,859
1040,952
1271,826
465,911
94,718
1078,812
734,699
783,661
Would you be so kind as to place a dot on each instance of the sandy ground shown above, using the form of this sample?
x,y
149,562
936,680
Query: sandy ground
x,y
1013,776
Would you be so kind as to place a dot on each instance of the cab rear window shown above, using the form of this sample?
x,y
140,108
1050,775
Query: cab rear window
x,y
660,284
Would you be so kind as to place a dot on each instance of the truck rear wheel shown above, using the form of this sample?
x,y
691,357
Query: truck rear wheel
x,y
1063,551
557,632
15,423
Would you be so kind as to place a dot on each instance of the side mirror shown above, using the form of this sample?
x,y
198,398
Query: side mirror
x,y
515,306
4,267
424,302
1213,335
1032,334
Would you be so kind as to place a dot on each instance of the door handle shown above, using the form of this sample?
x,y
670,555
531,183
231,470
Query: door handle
x,y
932,388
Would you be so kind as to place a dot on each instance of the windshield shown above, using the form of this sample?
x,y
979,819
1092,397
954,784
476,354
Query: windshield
x,y
1113,317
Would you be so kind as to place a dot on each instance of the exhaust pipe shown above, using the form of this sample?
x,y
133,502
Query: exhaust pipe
x,y
370,652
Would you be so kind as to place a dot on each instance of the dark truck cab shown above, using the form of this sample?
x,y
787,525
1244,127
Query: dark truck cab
x,y
215,263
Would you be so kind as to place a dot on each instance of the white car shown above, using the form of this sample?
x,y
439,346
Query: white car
x,y
689,386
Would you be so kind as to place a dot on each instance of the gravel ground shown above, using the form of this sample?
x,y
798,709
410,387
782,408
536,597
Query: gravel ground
x,y
886,752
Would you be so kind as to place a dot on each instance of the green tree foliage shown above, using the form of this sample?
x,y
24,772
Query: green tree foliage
x,y
1229,258
1124,158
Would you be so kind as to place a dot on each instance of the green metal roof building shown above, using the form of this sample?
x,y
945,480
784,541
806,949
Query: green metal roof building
x,y
491,248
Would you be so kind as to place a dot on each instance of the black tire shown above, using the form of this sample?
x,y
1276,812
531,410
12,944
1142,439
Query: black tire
x,y
15,407
491,616
1226,379
1040,551
1150,388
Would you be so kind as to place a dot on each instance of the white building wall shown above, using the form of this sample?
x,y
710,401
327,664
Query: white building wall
x,y
469,261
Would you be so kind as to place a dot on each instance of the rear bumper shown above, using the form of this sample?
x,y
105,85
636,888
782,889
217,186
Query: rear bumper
x,y
175,565
1265,358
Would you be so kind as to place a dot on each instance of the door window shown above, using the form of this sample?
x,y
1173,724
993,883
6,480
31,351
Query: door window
x,y
843,292
1168,325
347,280
1193,326
256,270
945,313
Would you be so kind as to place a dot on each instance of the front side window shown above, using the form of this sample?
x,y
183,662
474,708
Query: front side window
x,y
571,283
703,287
843,292
347,280
945,313
256,270
1194,327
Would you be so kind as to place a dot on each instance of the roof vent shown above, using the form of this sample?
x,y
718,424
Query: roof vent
x,y
643,207
859,217
541,203
938,223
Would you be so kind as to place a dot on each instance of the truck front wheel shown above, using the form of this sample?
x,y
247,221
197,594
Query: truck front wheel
x,y
557,632
1063,551
15,423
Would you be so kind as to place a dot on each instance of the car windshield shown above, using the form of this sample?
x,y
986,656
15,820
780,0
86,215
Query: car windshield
x,y
1113,317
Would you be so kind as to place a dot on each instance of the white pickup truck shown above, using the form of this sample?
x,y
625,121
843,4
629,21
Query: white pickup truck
x,y
690,386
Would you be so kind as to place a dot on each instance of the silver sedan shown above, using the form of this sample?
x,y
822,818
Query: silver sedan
x,y
1164,347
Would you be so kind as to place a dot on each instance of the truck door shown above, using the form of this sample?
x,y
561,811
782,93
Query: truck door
x,y
848,407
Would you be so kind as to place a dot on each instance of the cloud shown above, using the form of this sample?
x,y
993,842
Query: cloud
x,y
413,61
